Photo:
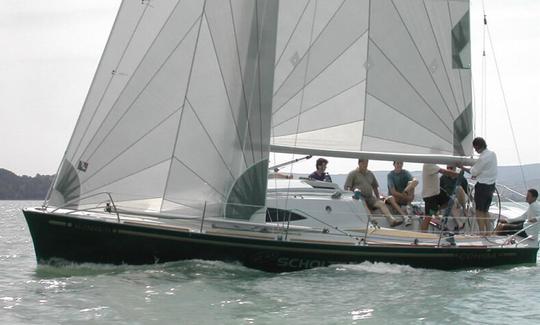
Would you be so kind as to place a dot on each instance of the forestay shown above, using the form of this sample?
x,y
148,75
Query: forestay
x,y
178,113
381,76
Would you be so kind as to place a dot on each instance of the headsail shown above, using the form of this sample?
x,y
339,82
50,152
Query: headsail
x,y
386,76
179,110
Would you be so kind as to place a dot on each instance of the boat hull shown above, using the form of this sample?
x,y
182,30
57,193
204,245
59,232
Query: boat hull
x,y
81,240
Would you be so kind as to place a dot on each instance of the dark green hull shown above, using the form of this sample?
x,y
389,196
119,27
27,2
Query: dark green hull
x,y
81,240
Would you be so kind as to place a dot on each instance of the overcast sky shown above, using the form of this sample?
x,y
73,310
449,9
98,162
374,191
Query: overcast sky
x,y
51,50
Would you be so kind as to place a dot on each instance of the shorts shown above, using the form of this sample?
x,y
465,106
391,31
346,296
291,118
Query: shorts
x,y
483,194
370,202
433,203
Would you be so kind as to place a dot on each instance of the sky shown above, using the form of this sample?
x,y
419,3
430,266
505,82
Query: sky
x,y
52,48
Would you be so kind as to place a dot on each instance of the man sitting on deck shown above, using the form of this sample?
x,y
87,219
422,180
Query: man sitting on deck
x,y
364,180
507,227
401,184
401,187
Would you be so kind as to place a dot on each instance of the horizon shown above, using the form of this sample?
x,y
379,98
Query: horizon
x,y
307,173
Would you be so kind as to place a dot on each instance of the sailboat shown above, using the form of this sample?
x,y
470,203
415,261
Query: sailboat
x,y
169,157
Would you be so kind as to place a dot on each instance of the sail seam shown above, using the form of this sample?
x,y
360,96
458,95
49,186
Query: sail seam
x,y
322,71
132,145
323,141
135,29
183,204
311,44
205,181
126,176
142,90
285,46
413,121
323,101
195,46
209,137
246,107
258,75
399,141
308,59
423,60
411,85
441,56
368,47
226,91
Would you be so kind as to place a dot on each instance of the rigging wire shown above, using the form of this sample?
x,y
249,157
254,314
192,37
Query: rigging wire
x,y
300,107
483,95
499,78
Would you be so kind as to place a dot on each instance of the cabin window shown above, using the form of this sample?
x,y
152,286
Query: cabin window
x,y
281,215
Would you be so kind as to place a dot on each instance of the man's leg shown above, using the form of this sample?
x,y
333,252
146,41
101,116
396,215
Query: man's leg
x,y
409,190
380,204
483,221
504,228
461,197
395,205
480,221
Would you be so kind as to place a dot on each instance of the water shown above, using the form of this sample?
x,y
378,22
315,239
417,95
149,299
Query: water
x,y
202,292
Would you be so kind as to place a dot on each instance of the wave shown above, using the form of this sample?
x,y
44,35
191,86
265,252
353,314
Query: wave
x,y
379,268
63,268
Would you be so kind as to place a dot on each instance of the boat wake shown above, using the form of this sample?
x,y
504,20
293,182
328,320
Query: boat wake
x,y
378,268
190,268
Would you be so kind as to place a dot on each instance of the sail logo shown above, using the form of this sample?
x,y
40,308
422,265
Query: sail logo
x,y
83,166
300,263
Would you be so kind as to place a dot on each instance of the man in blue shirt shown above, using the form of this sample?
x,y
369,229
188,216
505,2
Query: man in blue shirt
x,y
319,174
401,184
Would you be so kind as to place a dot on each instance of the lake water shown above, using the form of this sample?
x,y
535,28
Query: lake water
x,y
203,292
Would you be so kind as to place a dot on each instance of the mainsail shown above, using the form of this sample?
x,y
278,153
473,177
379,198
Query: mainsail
x,y
178,114
380,76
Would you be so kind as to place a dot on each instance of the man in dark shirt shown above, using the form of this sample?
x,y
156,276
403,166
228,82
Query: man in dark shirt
x,y
401,184
319,174
451,182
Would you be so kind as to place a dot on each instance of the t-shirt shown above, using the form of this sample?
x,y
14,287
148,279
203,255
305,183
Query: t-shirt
x,y
398,180
325,177
430,180
532,216
485,168
532,213
364,182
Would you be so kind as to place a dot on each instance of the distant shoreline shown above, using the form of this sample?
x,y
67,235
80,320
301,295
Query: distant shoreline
x,y
28,188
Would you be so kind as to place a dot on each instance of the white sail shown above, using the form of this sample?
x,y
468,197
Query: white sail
x,y
387,76
178,113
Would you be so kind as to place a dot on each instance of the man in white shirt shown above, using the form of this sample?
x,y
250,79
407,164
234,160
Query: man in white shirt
x,y
485,173
434,198
509,226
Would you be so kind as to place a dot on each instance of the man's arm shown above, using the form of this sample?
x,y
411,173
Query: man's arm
x,y
448,172
348,182
376,191
391,187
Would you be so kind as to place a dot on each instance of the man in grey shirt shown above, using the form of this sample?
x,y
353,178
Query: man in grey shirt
x,y
363,179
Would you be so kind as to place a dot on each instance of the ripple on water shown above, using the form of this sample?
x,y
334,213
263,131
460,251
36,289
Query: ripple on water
x,y
210,292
